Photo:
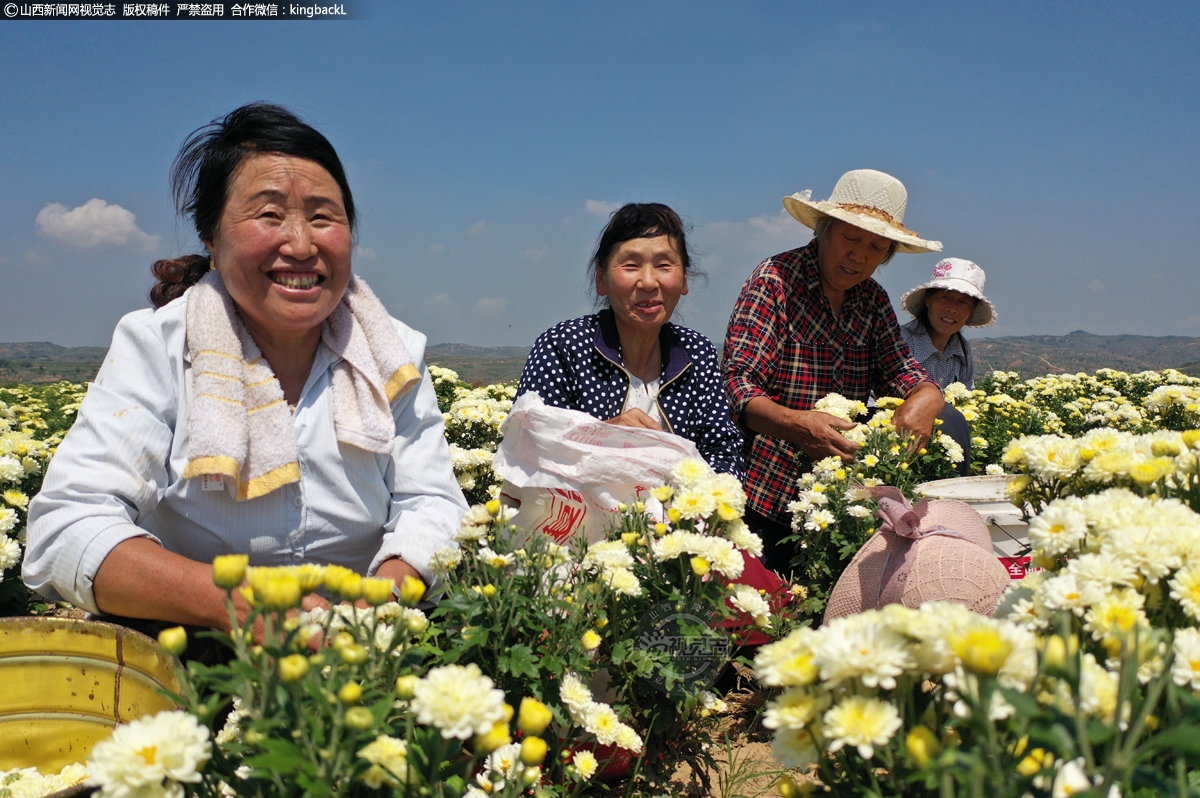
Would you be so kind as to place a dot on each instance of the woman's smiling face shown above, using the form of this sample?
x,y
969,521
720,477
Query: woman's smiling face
x,y
643,280
283,245
948,310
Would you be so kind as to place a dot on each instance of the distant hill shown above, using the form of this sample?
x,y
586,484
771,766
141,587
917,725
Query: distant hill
x,y
1032,355
1029,356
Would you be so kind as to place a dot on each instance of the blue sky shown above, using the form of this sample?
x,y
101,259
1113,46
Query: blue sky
x,y
1054,143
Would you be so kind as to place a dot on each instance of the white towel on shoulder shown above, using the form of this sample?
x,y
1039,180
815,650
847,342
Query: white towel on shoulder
x,y
241,426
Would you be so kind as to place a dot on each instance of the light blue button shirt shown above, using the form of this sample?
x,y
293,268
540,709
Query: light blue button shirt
x,y
118,474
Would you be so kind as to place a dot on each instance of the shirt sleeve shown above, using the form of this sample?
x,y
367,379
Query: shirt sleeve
x,y
751,355
427,503
110,471
894,371
548,373
717,437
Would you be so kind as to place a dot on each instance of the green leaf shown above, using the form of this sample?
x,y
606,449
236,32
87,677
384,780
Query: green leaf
x,y
282,757
522,661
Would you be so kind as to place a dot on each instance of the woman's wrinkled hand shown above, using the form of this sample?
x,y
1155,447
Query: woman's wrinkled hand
x,y
634,418
820,435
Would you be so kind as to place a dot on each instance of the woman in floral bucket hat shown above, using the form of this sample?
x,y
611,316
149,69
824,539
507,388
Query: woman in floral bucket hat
x,y
952,299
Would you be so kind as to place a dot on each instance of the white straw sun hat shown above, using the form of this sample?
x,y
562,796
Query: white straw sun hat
x,y
868,199
955,274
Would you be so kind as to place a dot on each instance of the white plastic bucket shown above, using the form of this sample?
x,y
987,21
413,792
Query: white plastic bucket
x,y
985,494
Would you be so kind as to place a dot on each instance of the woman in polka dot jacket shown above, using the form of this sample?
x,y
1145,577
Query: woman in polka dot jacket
x,y
627,364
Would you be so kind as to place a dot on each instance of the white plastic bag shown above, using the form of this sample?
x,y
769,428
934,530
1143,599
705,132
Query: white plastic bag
x,y
568,471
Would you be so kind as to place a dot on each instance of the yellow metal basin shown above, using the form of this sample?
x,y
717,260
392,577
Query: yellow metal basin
x,y
65,683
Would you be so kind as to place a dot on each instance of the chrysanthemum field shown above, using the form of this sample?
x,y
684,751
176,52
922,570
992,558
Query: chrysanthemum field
x,y
544,671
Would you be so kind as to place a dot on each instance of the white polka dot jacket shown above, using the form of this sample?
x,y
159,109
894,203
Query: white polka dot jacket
x,y
577,365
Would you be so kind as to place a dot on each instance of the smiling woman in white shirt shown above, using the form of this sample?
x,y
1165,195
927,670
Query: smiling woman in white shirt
x,y
267,406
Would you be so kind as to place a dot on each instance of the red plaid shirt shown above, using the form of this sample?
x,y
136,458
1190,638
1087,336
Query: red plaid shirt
x,y
785,343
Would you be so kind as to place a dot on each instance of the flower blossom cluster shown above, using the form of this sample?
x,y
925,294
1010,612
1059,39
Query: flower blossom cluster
x,y
596,717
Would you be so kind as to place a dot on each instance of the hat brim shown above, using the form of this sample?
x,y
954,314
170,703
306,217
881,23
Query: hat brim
x,y
808,213
984,314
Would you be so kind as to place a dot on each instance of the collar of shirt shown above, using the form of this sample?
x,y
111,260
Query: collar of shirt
x,y
922,345
675,357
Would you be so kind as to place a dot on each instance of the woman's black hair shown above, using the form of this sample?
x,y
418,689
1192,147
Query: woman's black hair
x,y
206,163
641,220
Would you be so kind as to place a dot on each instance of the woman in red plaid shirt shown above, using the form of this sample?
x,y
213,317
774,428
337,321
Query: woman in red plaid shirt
x,y
810,322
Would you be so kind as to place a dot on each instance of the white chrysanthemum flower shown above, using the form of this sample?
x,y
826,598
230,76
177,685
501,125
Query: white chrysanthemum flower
x,y
1059,528
11,469
151,755
689,471
505,761
993,469
389,759
794,748
1098,691
694,502
863,723
494,559
749,601
585,764
669,546
1102,569
862,647
1185,670
459,700
818,520
1185,588
8,519
711,702
1071,779
10,554
445,559
741,536
1118,612
954,451
232,730
608,554
623,581
1064,592
790,662
859,511
628,739
574,694
726,489
795,709
725,557
600,720
837,405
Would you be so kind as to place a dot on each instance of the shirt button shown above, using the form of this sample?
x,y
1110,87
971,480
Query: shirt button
x,y
298,501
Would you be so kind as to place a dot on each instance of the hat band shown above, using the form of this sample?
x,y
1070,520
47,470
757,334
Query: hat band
x,y
875,213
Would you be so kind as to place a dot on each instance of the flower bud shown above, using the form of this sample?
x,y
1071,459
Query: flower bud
x,y
922,745
416,623
359,718
229,570
378,591
352,587
674,515
534,716
412,590
293,667
493,508
406,687
489,590
498,736
173,641
591,640
351,693
700,566
533,750
629,538
353,654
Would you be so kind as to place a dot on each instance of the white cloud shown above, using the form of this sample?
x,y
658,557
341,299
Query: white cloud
x,y
1097,286
442,304
365,253
93,224
482,226
536,254
601,208
434,249
491,308
760,231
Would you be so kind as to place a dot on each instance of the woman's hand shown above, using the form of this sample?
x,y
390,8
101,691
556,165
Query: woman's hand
x,y
634,418
818,434
918,412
